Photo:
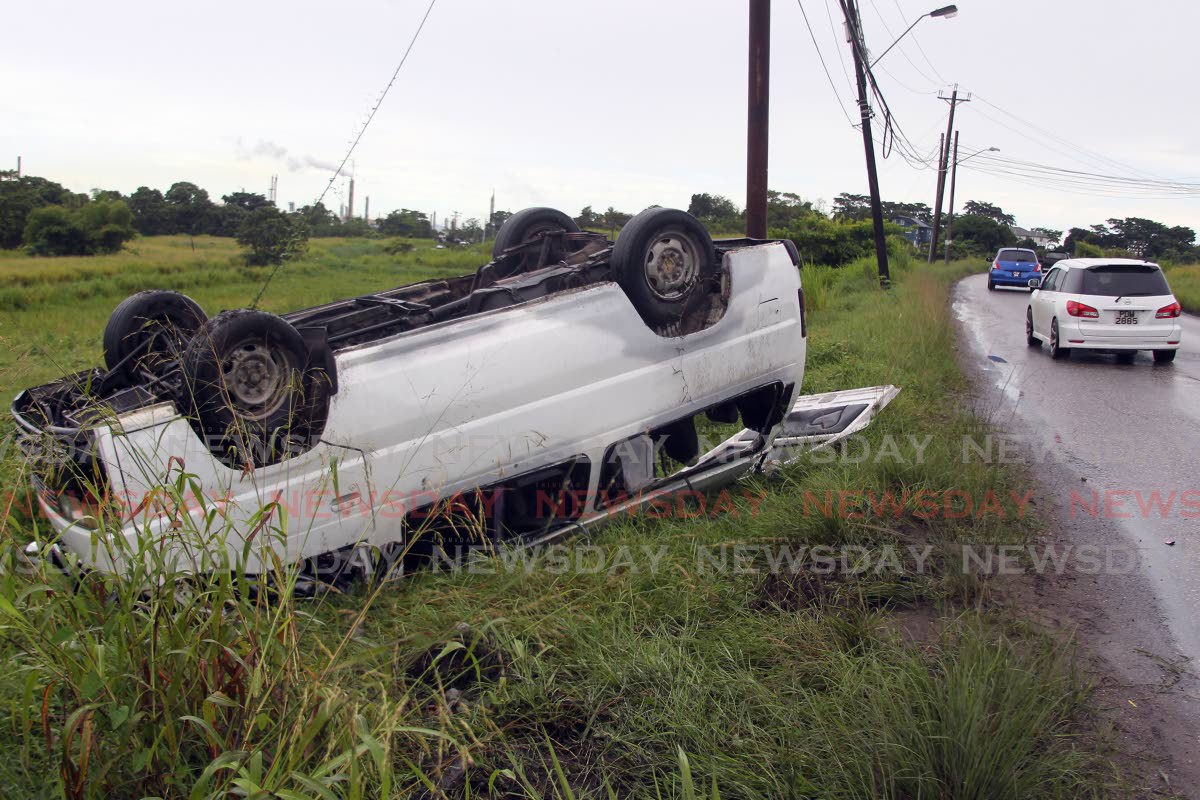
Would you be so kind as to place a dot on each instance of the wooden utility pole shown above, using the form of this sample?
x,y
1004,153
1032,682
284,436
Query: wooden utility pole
x,y
854,27
953,100
757,118
950,208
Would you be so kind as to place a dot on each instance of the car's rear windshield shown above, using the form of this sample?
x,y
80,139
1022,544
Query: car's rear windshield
x,y
1122,280
1017,255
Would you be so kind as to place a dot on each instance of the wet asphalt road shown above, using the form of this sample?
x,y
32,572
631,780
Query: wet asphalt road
x,y
1125,431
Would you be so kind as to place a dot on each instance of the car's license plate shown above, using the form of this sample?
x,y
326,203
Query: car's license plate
x,y
1126,318
1016,274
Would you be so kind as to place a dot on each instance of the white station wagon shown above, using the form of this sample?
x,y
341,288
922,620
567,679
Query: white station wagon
x,y
1115,305
557,386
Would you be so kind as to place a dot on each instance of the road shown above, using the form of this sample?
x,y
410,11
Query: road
x,y
1116,452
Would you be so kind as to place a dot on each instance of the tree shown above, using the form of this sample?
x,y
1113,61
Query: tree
x,y
1053,235
614,219
102,226
151,214
981,234
918,211
320,220
715,211
189,207
588,218
784,209
247,201
20,196
271,236
975,208
497,221
849,207
471,231
406,222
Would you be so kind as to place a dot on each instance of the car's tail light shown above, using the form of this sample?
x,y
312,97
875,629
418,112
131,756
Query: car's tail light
x,y
1037,267
1082,310
995,265
1169,312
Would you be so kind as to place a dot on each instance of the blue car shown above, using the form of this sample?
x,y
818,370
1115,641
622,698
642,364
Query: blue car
x,y
1014,266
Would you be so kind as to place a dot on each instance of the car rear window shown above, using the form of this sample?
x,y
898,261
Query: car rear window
x,y
1120,280
1017,255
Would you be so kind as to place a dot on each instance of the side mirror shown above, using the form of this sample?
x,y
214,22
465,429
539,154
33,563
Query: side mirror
x,y
1035,283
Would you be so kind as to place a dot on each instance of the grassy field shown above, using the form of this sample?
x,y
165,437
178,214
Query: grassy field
x,y
1185,284
633,665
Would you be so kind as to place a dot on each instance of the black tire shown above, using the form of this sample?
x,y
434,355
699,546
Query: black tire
x,y
148,330
661,239
528,223
1126,356
1056,351
250,390
1030,339
1164,356
991,285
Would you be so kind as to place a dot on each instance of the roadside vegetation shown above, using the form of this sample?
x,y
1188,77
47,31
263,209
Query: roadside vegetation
x,y
635,662
1185,285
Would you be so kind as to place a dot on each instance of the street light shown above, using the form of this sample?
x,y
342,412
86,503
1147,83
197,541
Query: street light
x,y
953,177
948,12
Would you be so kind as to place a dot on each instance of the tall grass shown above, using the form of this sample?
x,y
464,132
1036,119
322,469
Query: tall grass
x,y
625,667
1185,284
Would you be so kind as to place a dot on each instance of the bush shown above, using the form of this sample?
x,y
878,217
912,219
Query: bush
x,y
272,237
101,226
1088,250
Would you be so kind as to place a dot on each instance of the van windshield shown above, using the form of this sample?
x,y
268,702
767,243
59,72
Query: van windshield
x,y
1024,256
1122,280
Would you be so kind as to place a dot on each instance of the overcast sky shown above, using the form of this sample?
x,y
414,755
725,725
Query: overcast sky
x,y
570,103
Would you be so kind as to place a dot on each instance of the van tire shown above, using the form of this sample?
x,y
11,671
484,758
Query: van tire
x,y
249,388
665,261
158,322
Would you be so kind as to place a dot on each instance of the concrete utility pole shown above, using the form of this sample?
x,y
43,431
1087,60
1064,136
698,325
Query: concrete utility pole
x,y
757,118
950,208
854,27
350,201
953,100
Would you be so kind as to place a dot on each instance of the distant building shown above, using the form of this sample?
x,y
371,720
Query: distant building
x,y
1039,239
917,232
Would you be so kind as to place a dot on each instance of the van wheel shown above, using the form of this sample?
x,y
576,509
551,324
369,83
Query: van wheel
x,y
148,330
665,261
1164,356
249,388
528,223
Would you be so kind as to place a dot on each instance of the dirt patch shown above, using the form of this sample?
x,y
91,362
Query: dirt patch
x,y
459,662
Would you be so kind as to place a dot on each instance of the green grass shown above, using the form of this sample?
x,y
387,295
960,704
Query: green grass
x,y
1185,284
640,673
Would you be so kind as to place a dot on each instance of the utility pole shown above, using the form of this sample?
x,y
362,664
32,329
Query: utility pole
x,y
350,202
367,209
953,100
757,118
950,208
854,28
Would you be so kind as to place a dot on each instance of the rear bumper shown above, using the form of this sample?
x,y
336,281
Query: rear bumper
x,y
1115,343
1005,277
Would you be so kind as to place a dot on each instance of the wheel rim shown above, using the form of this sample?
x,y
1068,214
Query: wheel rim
x,y
672,265
1028,324
1054,338
256,375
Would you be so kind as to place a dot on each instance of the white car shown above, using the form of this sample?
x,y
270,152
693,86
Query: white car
x,y
546,391
1116,305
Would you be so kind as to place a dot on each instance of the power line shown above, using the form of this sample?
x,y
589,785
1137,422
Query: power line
x,y
921,50
420,27
828,77
899,46
837,49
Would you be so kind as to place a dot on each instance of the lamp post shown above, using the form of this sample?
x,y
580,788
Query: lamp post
x,y
953,176
948,12
862,70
